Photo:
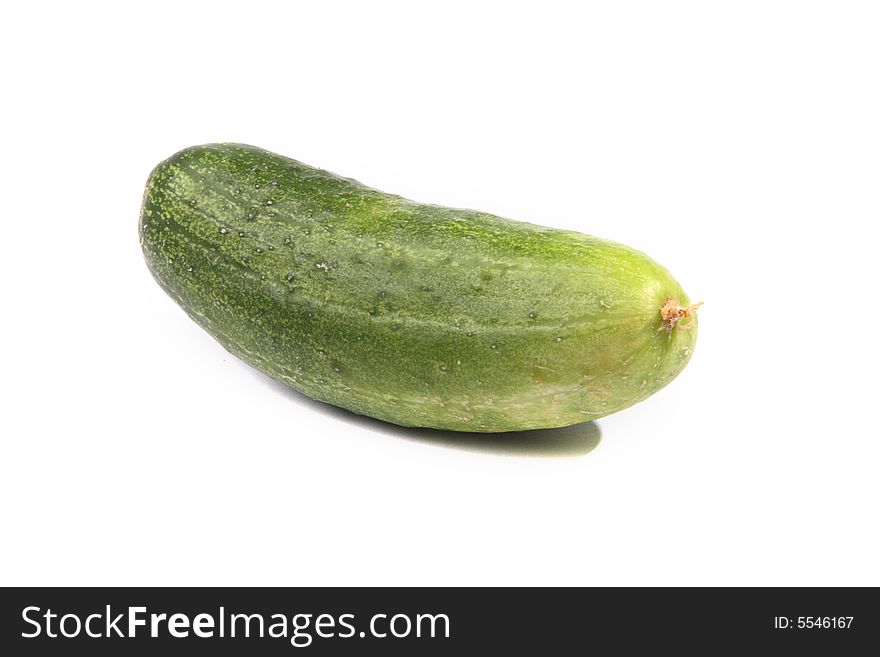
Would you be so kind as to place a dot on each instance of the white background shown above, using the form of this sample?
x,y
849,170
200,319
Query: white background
x,y
736,143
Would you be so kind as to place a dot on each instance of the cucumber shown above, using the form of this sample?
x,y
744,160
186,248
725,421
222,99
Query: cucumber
x,y
415,314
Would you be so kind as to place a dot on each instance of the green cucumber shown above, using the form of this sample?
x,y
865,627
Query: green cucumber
x,y
416,314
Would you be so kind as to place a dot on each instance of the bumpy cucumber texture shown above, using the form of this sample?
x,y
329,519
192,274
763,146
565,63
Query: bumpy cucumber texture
x,y
415,314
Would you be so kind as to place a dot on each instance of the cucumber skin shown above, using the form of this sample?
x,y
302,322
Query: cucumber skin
x,y
415,314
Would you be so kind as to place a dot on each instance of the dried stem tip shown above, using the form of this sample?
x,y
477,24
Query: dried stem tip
x,y
672,313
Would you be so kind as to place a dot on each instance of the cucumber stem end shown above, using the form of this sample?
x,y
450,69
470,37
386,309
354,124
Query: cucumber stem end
x,y
673,312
